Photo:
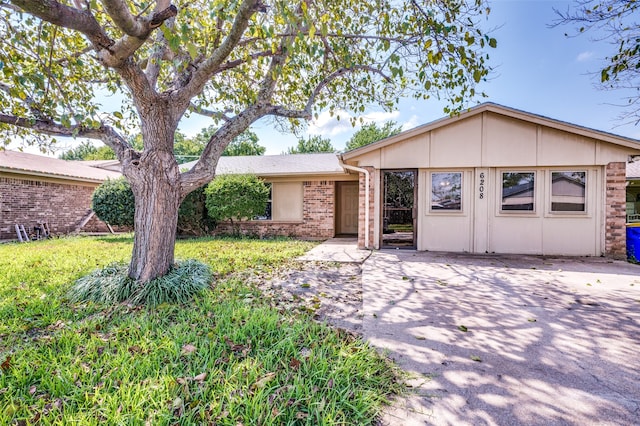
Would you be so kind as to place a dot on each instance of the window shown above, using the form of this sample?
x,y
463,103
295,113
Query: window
x,y
568,191
446,191
285,202
518,191
267,210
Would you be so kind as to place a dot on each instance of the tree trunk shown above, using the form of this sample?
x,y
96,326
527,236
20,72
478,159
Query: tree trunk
x,y
156,187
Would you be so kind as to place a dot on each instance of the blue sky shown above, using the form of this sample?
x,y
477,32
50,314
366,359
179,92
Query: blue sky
x,y
537,69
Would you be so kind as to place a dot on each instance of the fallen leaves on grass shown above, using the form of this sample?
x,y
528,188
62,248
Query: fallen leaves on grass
x,y
188,349
6,364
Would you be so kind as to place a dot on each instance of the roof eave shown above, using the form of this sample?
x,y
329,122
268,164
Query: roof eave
x,y
501,110
51,175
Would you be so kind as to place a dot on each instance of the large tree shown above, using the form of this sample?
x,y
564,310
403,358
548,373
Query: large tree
x,y
370,133
88,151
615,21
235,61
311,144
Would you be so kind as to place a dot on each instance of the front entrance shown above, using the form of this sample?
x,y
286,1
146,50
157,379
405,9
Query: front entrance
x,y
347,208
399,209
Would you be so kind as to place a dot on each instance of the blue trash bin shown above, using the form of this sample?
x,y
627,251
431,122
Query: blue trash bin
x,y
633,242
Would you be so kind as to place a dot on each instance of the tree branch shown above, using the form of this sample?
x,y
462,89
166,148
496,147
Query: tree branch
x,y
122,17
209,67
127,45
105,133
208,113
61,15
28,101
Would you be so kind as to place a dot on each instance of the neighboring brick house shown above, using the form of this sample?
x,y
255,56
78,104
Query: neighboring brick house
x,y
312,196
35,188
496,180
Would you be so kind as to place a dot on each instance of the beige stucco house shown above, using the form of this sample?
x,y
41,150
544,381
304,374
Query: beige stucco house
x,y
495,180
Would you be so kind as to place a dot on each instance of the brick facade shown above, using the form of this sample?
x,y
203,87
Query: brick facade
x,y
62,205
361,208
318,216
615,211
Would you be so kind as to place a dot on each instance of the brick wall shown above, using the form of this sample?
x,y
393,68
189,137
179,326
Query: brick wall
x,y
317,216
615,217
63,206
361,208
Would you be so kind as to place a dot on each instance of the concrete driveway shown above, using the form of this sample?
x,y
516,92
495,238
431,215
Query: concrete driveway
x,y
507,340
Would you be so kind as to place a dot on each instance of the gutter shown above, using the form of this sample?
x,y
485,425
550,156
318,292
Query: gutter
x,y
367,178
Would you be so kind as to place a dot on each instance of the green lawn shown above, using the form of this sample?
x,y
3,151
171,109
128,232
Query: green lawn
x,y
230,357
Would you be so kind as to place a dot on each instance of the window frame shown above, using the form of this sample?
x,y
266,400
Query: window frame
x,y
500,182
584,212
461,196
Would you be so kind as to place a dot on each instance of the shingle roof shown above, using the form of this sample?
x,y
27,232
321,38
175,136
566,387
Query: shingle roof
x,y
32,164
278,165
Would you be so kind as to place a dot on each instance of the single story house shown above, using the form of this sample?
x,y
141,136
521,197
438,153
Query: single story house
x,y
490,180
312,195
495,180
35,188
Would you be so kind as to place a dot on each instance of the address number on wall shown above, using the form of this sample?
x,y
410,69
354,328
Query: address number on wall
x,y
481,186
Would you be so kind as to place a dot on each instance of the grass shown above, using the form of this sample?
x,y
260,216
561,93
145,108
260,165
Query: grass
x,y
229,357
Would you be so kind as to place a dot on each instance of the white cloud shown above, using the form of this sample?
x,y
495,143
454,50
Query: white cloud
x,y
414,121
329,126
380,117
584,56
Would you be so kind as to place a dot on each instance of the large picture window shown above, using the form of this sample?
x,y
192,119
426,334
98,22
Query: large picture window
x,y
518,191
568,191
446,191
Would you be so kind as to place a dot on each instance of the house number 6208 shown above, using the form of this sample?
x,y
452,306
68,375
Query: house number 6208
x,y
481,186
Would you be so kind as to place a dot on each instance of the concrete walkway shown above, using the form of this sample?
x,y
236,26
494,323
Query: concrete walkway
x,y
507,340
343,250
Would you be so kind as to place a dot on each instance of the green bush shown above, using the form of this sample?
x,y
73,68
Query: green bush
x,y
193,218
113,203
235,198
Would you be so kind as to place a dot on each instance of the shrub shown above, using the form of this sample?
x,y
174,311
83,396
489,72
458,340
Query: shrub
x,y
235,198
193,218
113,203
